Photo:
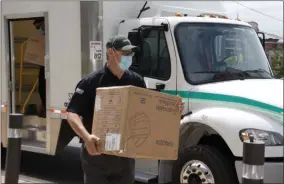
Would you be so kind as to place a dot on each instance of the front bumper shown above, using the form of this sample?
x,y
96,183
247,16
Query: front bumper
x,y
273,172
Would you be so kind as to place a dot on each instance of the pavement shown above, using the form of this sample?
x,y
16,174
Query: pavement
x,y
39,168
25,179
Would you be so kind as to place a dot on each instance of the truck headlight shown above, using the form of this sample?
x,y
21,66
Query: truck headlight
x,y
269,138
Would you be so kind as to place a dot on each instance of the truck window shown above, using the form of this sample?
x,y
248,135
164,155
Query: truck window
x,y
211,52
155,59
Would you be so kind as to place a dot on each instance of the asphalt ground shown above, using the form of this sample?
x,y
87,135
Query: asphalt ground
x,y
62,169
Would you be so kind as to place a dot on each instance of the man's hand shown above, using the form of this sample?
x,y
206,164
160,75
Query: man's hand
x,y
92,145
180,105
91,141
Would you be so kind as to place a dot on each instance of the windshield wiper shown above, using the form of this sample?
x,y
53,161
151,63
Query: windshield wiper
x,y
259,71
207,72
245,73
236,74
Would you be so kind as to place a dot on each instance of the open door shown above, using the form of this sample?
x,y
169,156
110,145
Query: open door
x,y
4,72
60,66
12,78
26,57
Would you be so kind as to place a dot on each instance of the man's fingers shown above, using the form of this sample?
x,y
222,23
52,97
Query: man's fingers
x,y
98,147
98,142
94,150
95,139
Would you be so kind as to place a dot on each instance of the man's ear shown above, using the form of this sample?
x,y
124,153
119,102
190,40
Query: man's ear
x,y
110,51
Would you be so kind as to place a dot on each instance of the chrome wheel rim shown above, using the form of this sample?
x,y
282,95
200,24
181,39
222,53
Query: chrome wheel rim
x,y
196,170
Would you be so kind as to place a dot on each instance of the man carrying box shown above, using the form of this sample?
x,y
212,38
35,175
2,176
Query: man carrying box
x,y
99,168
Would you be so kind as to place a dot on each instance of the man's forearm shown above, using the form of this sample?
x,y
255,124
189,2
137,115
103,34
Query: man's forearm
x,y
77,125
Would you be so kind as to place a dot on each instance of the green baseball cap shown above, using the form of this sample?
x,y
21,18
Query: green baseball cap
x,y
120,43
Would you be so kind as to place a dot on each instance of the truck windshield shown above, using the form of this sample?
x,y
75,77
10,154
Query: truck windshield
x,y
212,52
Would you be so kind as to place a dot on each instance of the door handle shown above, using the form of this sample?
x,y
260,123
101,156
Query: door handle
x,y
160,86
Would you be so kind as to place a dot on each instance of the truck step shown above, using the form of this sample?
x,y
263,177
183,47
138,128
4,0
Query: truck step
x,y
145,177
34,120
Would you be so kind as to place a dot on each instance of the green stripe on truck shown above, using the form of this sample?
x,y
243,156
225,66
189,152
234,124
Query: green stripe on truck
x,y
225,98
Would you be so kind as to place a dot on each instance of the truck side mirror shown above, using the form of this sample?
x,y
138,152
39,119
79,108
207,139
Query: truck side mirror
x,y
261,37
134,38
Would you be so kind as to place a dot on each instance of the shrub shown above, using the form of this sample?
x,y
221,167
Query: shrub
x,y
277,63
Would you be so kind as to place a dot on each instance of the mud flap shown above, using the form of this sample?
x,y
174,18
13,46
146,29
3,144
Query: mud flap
x,y
66,134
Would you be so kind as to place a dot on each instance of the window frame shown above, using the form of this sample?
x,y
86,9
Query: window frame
x,y
158,39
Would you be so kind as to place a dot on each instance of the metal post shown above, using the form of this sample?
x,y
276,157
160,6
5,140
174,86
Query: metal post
x,y
253,161
13,156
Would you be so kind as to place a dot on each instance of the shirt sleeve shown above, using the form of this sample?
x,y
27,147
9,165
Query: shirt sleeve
x,y
82,98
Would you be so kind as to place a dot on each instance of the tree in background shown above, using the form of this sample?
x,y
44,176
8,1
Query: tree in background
x,y
277,63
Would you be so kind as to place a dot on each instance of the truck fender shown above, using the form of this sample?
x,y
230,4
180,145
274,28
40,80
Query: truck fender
x,y
225,122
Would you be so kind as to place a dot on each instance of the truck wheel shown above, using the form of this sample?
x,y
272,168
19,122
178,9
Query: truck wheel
x,y
203,164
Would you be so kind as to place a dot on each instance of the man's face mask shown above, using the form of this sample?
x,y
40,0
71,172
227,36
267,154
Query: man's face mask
x,y
41,31
125,61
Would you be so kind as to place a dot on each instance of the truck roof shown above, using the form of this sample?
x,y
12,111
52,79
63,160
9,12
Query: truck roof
x,y
175,20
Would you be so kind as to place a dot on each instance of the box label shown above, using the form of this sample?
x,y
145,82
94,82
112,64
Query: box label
x,y
112,142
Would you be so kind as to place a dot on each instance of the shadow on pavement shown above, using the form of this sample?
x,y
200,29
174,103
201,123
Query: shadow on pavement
x,y
63,168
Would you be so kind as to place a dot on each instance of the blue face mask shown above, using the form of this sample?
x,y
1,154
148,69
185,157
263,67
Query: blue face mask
x,y
125,62
41,31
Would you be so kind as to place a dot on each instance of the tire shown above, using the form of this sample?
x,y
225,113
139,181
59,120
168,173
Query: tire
x,y
207,157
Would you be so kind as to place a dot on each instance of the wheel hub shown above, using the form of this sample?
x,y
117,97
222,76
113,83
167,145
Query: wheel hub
x,y
196,172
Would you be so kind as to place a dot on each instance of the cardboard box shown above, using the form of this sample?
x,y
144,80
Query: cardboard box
x,y
35,50
137,123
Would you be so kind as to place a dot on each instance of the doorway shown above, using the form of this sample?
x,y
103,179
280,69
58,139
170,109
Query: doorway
x,y
27,80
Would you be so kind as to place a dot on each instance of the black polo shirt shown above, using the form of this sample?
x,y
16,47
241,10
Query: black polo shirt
x,y
83,100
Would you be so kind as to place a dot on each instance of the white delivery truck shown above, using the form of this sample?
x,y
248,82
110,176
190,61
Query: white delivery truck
x,y
217,65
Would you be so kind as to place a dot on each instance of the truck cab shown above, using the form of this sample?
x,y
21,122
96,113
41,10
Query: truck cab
x,y
219,68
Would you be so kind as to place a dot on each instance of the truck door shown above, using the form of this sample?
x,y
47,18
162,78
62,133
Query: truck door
x,y
3,82
156,62
8,92
60,59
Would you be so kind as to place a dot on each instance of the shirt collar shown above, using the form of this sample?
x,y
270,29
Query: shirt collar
x,y
108,71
